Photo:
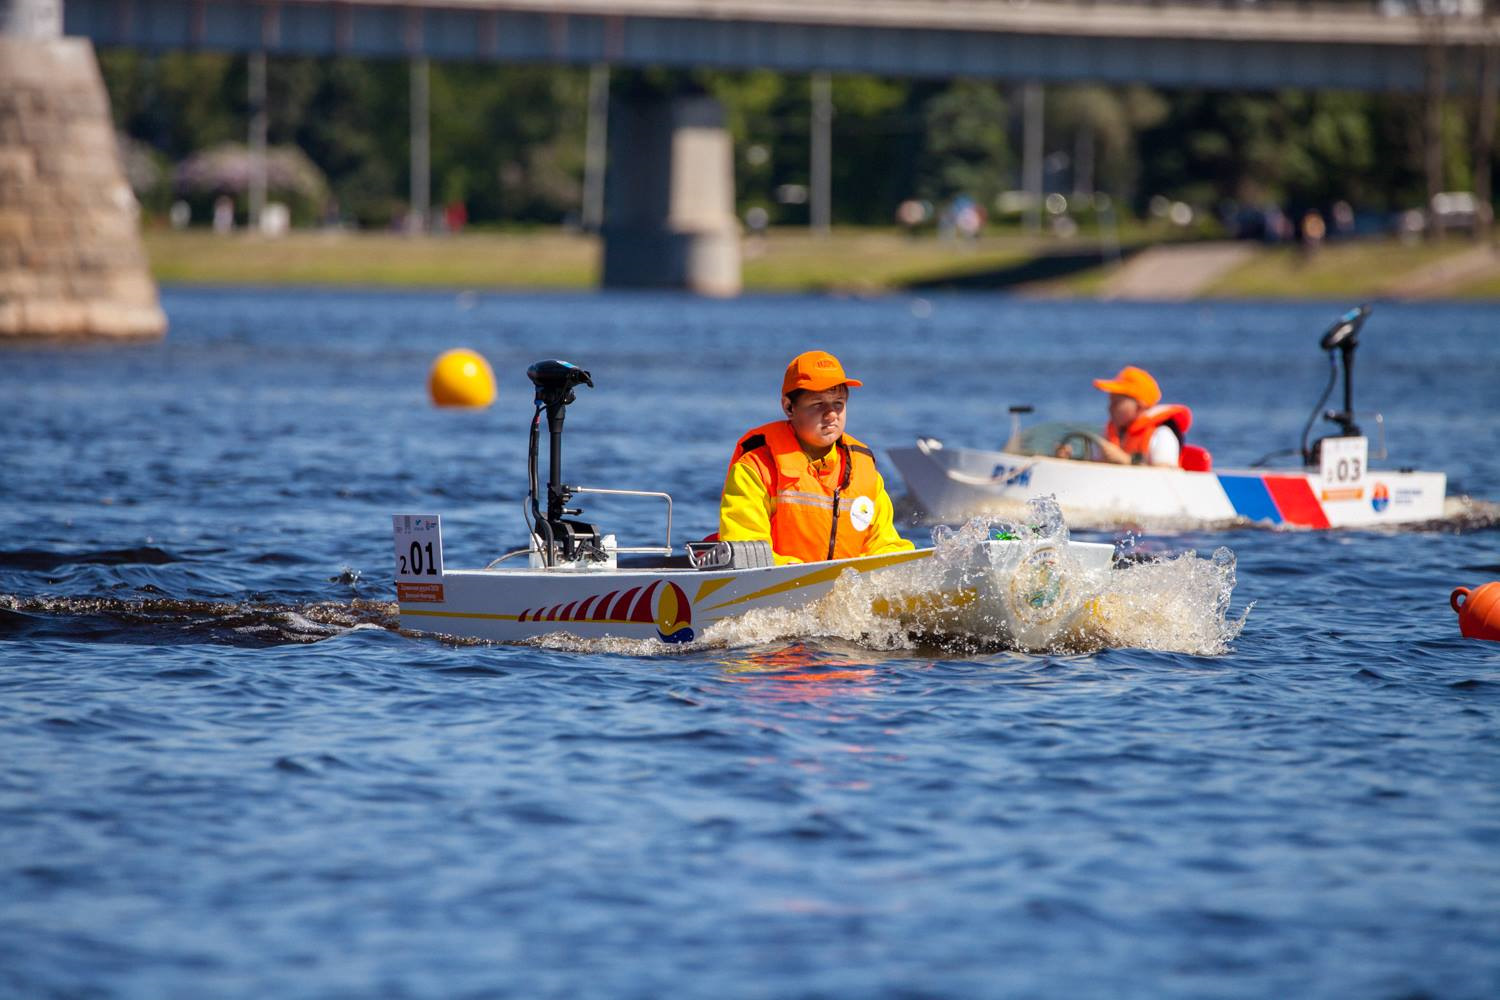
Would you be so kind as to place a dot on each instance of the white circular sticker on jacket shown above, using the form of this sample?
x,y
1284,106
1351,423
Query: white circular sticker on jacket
x,y
861,513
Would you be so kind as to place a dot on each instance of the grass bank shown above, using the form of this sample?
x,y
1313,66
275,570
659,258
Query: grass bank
x,y
480,260
855,260
1387,268
790,261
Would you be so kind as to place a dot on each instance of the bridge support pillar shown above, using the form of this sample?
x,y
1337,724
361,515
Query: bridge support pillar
x,y
71,260
669,197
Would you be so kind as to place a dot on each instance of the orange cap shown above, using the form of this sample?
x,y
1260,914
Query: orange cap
x,y
815,371
1134,382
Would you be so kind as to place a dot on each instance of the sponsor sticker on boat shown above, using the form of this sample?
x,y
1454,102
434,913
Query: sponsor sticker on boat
x,y
419,593
1012,475
419,557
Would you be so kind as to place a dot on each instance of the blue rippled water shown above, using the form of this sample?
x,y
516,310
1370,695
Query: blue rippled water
x,y
226,775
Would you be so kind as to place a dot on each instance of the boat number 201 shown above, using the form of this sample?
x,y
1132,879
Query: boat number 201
x,y
416,562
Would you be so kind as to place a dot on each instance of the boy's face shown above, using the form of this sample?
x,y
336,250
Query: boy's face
x,y
818,417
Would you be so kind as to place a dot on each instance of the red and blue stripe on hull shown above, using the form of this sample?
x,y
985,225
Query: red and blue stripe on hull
x,y
1277,499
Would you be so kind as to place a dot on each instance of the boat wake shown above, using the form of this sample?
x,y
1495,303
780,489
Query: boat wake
x,y
144,620
1462,515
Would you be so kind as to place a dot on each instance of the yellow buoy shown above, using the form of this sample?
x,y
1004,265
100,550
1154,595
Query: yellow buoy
x,y
461,377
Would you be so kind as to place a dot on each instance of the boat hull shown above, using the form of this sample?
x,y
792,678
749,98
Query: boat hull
x,y
1010,591
957,483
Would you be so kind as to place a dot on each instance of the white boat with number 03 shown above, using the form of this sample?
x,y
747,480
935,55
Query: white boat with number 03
x,y
1332,486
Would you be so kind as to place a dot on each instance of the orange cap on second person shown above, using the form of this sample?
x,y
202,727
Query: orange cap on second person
x,y
1134,382
815,371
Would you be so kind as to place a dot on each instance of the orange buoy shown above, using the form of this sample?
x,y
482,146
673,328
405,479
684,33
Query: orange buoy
x,y
1478,611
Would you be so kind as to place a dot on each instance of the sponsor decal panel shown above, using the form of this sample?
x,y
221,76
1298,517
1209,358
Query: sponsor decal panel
x,y
1380,498
1011,475
1406,495
419,593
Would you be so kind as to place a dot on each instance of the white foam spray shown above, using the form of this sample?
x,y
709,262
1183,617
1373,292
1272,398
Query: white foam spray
x,y
1038,597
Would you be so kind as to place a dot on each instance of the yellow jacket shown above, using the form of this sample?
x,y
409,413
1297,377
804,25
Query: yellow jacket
x,y
807,510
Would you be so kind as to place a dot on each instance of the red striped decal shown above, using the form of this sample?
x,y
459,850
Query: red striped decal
x,y
621,609
583,609
552,613
644,611
524,614
1296,500
567,613
602,611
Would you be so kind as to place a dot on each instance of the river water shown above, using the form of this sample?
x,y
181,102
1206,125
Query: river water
x,y
226,773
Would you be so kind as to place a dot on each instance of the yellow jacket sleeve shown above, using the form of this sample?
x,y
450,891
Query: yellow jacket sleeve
x,y
745,510
883,536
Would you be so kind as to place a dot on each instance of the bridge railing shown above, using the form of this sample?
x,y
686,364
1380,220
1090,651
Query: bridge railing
x,y
1382,8
1430,9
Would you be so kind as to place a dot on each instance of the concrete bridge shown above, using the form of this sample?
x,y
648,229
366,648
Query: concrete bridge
x,y
1239,44
667,206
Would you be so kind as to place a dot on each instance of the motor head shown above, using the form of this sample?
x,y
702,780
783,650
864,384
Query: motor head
x,y
554,381
1344,333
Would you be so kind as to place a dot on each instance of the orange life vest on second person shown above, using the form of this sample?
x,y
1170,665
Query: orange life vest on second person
x,y
813,517
1138,434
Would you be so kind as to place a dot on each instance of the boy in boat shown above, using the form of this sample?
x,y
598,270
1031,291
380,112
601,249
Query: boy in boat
x,y
804,485
1142,430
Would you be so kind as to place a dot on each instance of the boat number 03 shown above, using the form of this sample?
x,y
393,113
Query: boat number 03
x,y
419,546
1343,461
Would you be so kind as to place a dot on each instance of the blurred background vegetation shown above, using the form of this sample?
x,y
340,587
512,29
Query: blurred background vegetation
x,y
507,143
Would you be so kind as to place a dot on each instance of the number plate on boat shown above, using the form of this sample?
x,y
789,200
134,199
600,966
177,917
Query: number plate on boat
x,y
419,557
1343,467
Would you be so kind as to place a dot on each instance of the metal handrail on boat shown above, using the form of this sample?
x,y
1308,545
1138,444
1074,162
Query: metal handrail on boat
x,y
661,550
655,550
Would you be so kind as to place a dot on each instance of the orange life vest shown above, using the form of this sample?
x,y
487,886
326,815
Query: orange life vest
x,y
813,517
1138,435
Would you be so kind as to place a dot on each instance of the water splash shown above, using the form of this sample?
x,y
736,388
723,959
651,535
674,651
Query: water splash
x,y
1174,604
1041,598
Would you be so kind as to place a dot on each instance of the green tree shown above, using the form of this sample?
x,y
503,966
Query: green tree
x,y
967,148
179,102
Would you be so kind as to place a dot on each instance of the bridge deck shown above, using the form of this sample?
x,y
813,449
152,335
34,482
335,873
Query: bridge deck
x,y
1171,43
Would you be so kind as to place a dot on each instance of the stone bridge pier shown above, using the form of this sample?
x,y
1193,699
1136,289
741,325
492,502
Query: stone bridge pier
x,y
71,260
669,217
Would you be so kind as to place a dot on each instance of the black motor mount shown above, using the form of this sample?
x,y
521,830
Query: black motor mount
x,y
561,538
1343,337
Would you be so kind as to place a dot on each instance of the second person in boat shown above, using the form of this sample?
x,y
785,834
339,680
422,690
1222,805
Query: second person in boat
x,y
1142,430
804,485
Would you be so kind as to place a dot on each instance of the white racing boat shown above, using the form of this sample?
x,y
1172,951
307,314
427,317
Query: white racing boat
x,y
1028,589
1332,486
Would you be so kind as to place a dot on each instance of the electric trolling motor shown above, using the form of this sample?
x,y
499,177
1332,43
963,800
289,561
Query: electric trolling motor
x,y
561,538
1343,337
